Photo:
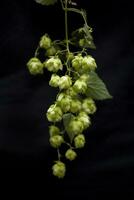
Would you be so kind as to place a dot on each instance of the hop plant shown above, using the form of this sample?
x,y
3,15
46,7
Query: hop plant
x,y
75,127
45,42
54,81
64,101
65,82
53,64
77,62
54,130
54,113
35,66
85,119
79,141
75,105
89,106
80,86
70,154
59,169
56,141
51,51
73,74
88,63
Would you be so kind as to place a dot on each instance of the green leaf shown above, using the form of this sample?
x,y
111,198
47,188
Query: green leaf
x,y
96,88
66,120
87,30
46,2
88,37
86,34
89,43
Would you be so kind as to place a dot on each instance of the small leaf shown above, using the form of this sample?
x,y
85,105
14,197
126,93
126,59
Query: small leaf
x,y
78,33
96,88
66,120
46,2
83,33
89,43
88,37
87,30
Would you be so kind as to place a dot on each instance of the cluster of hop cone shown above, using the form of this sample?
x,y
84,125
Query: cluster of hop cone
x,y
70,113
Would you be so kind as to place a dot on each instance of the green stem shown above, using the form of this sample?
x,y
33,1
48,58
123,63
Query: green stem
x,y
62,4
59,155
66,9
66,25
37,51
81,12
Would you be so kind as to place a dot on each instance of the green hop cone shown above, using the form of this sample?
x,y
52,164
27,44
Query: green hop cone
x,y
51,51
61,96
75,127
53,64
85,119
35,66
64,102
89,106
75,106
45,42
80,86
65,82
53,130
88,63
70,56
79,141
82,42
85,77
59,169
71,92
77,62
70,154
56,141
54,81
54,113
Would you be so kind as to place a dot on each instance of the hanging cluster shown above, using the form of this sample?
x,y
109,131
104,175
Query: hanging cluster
x,y
70,101
72,72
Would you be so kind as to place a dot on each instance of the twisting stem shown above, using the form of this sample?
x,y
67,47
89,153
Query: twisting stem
x,y
37,51
66,9
81,12
66,25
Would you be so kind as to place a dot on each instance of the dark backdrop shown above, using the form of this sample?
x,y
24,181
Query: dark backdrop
x,y
106,163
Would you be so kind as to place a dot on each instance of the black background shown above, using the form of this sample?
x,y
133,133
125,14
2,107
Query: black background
x,y
106,164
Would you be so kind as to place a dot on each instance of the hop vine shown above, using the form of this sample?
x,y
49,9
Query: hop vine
x,y
73,71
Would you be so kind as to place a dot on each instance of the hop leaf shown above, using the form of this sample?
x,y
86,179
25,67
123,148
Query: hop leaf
x,y
67,118
46,2
96,88
83,37
72,125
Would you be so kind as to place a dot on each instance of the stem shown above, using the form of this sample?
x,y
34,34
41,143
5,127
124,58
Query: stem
x,y
59,155
81,12
66,25
36,51
62,4
68,144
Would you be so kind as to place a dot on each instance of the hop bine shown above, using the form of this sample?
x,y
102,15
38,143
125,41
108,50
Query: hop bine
x,y
73,73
